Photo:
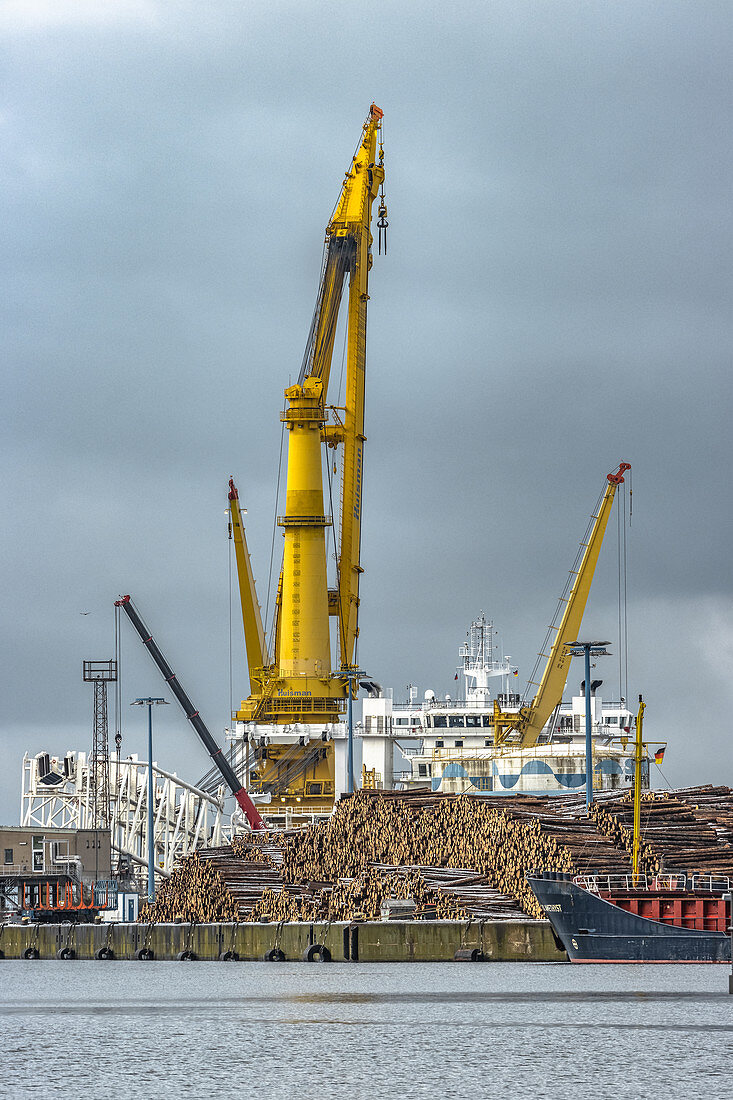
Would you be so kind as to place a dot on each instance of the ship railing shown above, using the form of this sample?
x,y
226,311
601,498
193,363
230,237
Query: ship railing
x,y
713,884
597,884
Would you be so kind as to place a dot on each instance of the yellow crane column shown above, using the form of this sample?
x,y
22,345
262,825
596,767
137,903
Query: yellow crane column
x,y
304,632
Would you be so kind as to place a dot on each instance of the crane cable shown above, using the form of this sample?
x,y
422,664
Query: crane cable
x,y
336,542
271,635
231,596
563,599
623,625
118,706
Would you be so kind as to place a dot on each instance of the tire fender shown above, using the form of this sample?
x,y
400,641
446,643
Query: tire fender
x,y
317,952
275,955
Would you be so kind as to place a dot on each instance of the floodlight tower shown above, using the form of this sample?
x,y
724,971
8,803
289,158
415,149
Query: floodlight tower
x,y
100,673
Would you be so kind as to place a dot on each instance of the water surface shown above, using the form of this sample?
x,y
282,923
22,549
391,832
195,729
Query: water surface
x,y
316,1032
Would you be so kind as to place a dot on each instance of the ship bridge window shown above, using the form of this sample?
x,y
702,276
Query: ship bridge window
x,y
424,770
456,720
458,744
473,719
439,721
486,721
401,721
439,744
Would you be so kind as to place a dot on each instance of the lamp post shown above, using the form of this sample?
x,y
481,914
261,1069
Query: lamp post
x,y
588,650
352,674
150,703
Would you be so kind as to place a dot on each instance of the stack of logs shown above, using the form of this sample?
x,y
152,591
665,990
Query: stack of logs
x,y
499,838
377,846
689,830
195,891
456,856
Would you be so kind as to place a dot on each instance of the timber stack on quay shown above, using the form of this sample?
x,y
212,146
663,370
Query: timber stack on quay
x,y
454,865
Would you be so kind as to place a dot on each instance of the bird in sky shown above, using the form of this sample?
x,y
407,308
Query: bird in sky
x,y
85,612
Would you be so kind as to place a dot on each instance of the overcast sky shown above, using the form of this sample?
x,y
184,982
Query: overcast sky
x,y
556,298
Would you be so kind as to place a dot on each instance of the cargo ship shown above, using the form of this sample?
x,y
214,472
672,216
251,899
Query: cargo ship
x,y
627,918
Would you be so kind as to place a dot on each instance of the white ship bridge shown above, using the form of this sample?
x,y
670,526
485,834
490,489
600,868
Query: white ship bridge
x,y
448,744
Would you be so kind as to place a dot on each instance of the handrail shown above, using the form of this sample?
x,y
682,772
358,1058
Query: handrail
x,y
595,883
672,881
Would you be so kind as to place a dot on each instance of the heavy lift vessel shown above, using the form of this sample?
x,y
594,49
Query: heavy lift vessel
x,y
290,733
292,720
292,717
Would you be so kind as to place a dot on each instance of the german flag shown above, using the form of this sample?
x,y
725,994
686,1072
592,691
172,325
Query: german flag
x,y
659,755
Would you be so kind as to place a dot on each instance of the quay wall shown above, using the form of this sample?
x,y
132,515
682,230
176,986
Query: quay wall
x,y
378,941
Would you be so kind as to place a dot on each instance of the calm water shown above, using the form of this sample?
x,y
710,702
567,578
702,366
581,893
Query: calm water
x,y
315,1032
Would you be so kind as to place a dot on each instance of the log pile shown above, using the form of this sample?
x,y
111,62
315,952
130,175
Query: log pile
x,y
359,898
194,892
497,838
456,856
689,830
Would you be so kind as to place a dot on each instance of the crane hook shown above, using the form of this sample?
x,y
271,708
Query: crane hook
x,y
382,225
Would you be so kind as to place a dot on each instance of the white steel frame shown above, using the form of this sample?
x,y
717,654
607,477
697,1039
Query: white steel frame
x,y
185,818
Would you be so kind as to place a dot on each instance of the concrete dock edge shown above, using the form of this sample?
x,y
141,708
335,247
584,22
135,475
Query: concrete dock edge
x,y
378,941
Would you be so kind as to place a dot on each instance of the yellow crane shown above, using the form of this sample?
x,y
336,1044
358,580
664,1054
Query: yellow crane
x,y
524,728
298,683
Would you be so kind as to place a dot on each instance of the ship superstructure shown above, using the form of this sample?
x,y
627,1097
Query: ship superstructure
x,y
449,744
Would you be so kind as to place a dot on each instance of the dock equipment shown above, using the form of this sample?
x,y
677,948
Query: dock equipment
x,y
245,802
295,681
525,727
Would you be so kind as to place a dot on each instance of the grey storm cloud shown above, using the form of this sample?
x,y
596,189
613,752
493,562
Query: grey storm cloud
x,y
556,298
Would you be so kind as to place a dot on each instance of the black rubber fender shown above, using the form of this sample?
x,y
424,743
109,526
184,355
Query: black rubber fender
x,y
275,955
229,957
66,953
31,953
105,953
317,952
468,955
186,956
145,954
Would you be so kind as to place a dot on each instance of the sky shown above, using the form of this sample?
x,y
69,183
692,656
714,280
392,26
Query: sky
x,y
555,299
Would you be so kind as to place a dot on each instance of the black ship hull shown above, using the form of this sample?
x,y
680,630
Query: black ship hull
x,y
592,929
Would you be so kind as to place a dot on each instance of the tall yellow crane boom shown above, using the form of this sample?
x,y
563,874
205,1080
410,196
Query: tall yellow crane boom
x,y
348,249
254,634
534,717
300,683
